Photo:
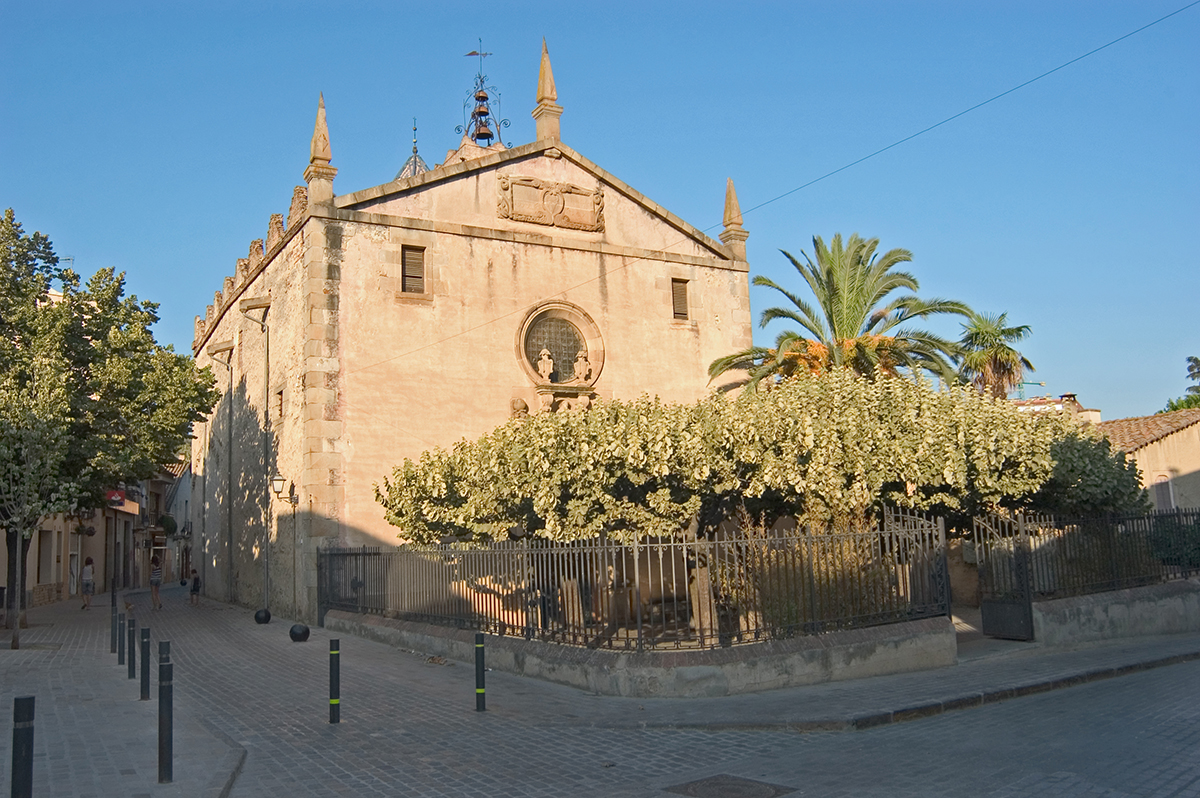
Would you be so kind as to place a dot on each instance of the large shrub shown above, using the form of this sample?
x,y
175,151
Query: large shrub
x,y
827,448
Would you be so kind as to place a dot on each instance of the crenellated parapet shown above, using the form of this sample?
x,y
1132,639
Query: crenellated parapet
x,y
262,252
299,206
247,268
256,253
274,231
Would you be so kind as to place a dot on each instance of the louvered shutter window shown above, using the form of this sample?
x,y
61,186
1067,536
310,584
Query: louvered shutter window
x,y
1162,495
413,266
679,298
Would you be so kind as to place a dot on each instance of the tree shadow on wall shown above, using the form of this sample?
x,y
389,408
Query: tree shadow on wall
x,y
238,462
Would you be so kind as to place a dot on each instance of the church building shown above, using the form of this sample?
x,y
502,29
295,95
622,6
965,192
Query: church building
x,y
372,326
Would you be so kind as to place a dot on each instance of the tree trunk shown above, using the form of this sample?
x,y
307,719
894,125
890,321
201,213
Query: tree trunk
x,y
15,595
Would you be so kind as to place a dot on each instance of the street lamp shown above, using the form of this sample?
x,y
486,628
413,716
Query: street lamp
x,y
278,483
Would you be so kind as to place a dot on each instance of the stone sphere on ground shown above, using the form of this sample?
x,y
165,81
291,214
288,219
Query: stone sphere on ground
x,y
299,633
262,616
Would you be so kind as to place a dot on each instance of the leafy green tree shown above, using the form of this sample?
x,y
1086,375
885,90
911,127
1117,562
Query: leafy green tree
x,y
857,320
989,361
1090,477
1187,402
1191,397
829,447
88,398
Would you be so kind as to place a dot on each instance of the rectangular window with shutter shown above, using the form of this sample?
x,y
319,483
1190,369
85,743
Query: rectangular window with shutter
x,y
679,303
1163,500
412,280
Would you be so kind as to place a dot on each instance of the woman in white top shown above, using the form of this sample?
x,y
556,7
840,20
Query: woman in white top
x,y
88,577
155,582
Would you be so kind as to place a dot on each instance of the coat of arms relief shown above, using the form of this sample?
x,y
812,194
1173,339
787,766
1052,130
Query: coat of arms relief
x,y
529,199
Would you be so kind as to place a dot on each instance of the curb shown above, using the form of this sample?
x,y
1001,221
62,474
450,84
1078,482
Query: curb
x,y
874,719
220,785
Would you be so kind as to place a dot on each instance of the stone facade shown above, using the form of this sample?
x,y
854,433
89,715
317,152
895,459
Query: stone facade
x,y
414,314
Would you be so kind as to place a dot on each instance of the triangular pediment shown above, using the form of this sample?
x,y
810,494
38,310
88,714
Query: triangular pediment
x,y
590,201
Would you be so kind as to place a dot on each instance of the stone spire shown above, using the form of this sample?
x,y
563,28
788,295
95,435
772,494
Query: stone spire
x,y
733,235
547,111
319,174
415,164
546,90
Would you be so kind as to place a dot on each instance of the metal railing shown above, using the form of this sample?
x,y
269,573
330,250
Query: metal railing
x,y
1061,557
744,586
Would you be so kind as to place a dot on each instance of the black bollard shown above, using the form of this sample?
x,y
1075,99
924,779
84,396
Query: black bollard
x,y
480,704
165,747
120,639
145,664
22,752
113,648
164,651
335,678
132,648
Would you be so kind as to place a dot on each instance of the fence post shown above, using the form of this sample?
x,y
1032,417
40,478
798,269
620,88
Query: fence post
x,y
943,566
480,704
22,748
132,648
322,587
145,664
335,679
1024,582
120,638
165,719
637,588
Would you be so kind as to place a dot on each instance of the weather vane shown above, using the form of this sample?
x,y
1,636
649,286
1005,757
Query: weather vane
x,y
478,120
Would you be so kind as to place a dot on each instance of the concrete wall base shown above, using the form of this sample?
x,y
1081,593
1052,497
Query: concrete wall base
x,y
853,654
1171,608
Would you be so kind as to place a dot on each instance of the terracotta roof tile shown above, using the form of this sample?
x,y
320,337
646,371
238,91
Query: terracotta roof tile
x,y
1131,434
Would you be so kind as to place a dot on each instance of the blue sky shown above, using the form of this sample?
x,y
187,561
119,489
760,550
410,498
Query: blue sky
x,y
158,138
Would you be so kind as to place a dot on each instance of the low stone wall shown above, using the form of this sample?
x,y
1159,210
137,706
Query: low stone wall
x,y
854,654
1170,608
45,594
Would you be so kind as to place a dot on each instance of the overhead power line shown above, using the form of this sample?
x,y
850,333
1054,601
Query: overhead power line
x,y
814,181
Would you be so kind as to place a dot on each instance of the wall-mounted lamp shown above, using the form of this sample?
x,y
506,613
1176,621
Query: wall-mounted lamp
x,y
278,483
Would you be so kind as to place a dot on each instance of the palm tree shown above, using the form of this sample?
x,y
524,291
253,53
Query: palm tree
x,y
1194,374
988,360
849,326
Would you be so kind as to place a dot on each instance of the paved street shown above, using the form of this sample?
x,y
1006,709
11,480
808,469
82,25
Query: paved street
x,y
409,726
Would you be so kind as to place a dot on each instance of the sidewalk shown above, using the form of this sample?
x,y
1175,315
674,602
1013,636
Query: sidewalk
x,y
244,693
93,737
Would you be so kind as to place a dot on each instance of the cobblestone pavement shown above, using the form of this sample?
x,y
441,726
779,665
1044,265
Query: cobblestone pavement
x,y
409,727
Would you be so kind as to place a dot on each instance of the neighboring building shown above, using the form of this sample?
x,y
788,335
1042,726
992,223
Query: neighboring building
x,y
427,310
136,524
1067,403
1166,447
59,548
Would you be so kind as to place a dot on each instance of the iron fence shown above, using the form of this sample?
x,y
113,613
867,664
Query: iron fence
x,y
1052,557
742,586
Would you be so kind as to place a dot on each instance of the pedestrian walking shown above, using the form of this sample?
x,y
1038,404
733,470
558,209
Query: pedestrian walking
x,y
88,578
195,597
155,582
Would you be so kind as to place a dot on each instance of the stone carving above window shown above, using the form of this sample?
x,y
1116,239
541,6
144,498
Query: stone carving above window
x,y
528,199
